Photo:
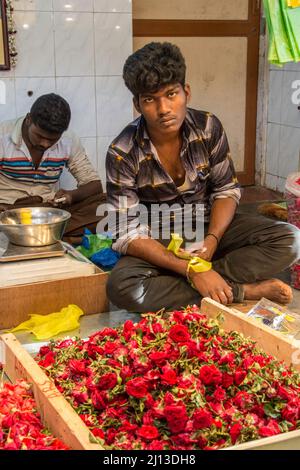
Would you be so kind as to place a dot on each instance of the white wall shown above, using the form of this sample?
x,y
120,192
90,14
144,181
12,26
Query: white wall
x,y
283,130
77,49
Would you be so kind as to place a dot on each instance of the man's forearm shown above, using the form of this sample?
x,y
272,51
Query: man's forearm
x,y
221,215
87,190
155,253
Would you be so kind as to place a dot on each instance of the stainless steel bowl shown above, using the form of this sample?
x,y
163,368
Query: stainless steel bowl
x,y
46,227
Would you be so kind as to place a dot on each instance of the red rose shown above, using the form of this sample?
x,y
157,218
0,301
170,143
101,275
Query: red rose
x,y
110,347
176,417
227,358
270,429
44,350
168,377
243,400
283,393
156,445
128,329
219,394
179,333
137,387
227,380
148,432
239,377
48,360
80,397
78,367
107,381
98,433
290,413
159,358
210,375
98,400
125,373
202,419
235,431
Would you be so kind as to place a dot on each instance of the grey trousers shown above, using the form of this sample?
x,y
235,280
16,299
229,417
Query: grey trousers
x,y
253,248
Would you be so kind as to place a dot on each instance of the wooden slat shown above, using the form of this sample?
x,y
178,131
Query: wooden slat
x,y
56,413
271,341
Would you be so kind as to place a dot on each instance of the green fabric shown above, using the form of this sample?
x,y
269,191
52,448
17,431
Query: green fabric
x,y
283,25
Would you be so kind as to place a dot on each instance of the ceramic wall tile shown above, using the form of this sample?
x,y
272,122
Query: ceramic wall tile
x,y
114,106
281,184
113,42
7,99
90,145
102,146
80,93
272,154
289,151
73,5
35,44
74,44
290,114
113,6
271,181
275,96
33,5
29,89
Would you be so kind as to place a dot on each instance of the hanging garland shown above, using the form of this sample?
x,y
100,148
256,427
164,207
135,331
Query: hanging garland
x,y
11,33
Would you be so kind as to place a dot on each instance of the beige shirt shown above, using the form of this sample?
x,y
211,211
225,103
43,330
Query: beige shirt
x,y
18,176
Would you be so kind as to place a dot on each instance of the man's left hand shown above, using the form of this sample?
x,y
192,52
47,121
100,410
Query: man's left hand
x,y
207,249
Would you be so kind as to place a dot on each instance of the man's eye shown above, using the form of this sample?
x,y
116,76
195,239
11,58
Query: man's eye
x,y
148,100
172,94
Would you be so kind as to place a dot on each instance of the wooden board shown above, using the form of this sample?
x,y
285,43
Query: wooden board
x,y
56,413
17,302
271,342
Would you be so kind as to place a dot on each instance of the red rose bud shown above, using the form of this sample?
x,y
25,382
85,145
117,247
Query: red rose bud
x,y
202,419
179,333
148,432
210,375
137,387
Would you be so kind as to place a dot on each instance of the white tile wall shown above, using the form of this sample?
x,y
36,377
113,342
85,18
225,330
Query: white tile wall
x,y
113,40
283,136
114,105
76,48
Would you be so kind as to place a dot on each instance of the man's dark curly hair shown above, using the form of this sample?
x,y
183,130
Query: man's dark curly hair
x,y
155,65
51,113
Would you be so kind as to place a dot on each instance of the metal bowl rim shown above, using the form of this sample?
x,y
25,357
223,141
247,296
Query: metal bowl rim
x,y
66,216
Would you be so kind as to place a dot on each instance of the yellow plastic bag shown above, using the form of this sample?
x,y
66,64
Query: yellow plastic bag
x,y
47,326
174,246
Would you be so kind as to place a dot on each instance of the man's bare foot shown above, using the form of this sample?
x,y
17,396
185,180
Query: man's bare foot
x,y
272,289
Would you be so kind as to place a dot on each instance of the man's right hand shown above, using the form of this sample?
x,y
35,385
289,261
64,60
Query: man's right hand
x,y
211,284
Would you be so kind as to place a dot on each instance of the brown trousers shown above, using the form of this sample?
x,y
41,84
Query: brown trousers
x,y
253,248
83,214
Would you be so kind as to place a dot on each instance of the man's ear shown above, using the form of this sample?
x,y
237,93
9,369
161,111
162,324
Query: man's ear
x,y
187,91
136,105
28,119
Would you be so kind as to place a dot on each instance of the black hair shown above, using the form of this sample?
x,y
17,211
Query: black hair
x,y
51,113
155,65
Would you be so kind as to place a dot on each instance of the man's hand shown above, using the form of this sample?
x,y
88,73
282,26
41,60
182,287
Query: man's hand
x,y
211,284
205,249
63,198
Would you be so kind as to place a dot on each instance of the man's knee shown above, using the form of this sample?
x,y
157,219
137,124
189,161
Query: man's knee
x,y
125,288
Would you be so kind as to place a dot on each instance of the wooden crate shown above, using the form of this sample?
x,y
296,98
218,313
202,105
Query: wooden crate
x,y
56,413
271,342
17,302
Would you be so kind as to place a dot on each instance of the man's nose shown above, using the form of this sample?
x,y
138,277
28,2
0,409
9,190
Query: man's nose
x,y
163,107
45,143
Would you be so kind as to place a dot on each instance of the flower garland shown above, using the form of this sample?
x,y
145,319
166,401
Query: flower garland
x,y
176,382
20,424
11,29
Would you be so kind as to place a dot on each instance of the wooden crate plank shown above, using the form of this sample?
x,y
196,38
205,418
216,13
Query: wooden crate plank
x,y
56,413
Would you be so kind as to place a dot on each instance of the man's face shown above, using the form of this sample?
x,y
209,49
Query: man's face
x,y
165,110
40,139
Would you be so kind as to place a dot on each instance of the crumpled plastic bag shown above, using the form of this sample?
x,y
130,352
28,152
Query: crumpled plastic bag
x,y
47,326
97,248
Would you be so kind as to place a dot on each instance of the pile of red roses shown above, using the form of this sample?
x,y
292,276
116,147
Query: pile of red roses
x,y
174,382
20,424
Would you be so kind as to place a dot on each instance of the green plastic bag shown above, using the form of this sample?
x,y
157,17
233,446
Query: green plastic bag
x,y
47,326
92,243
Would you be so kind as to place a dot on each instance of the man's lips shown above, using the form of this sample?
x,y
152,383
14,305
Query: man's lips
x,y
166,120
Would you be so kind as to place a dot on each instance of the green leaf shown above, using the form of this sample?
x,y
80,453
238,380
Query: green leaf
x,y
269,411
